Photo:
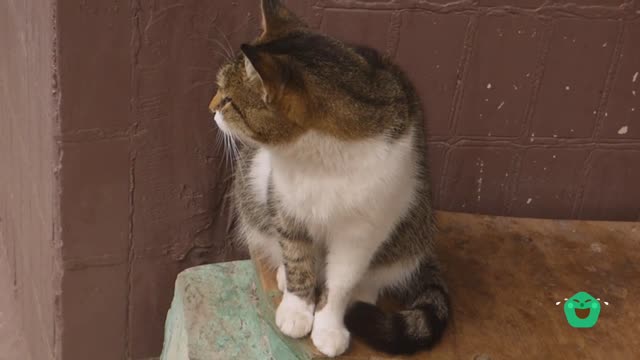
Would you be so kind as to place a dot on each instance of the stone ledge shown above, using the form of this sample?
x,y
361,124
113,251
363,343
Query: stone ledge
x,y
505,276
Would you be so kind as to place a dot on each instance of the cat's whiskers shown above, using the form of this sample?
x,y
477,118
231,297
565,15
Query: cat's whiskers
x,y
235,152
226,39
225,52
228,49
218,141
231,151
223,55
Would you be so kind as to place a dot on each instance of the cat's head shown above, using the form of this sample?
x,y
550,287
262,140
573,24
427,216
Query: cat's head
x,y
277,87
260,93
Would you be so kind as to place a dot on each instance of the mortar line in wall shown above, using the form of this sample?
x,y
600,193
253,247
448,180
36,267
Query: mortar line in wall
x,y
578,201
616,56
132,251
516,166
612,72
445,167
513,183
136,42
56,201
463,65
463,69
464,142
537,84
556,12
393,34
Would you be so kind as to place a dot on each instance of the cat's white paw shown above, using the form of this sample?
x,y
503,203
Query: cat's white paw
x,y
294,316
281,278
329,335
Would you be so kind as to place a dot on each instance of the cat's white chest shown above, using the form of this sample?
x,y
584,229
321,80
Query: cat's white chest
x,y
369,178
315,197
302,194
260,173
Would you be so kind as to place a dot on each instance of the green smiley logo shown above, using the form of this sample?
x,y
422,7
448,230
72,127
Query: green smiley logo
x,y
582,310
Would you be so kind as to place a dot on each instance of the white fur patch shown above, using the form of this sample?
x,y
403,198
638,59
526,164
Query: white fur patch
x,y
322,180
329,334
395,275
259,175
219,119
281,278
294,316
350,195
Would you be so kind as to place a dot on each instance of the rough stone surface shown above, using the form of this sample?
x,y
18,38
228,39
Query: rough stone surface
x,y
214,315
506,276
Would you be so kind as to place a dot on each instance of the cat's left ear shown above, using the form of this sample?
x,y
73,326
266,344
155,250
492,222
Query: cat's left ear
x,y
272,74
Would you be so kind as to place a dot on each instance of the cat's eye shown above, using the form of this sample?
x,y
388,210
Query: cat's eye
x,y
225,101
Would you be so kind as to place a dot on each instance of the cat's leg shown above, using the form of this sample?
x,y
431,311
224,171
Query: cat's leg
x,y
294,315
350,250
319,254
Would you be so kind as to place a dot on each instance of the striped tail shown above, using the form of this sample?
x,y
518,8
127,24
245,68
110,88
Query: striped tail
x,y
418,328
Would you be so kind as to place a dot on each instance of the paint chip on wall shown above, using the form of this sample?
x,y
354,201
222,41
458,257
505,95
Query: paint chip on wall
x,y
623,130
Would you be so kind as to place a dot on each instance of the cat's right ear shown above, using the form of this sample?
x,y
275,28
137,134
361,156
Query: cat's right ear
x,y
265,69
250,56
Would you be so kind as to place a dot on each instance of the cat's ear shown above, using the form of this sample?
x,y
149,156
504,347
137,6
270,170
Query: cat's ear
x,y
271,73
277,19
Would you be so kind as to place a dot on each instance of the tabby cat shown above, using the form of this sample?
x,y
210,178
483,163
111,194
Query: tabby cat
x,y
331,186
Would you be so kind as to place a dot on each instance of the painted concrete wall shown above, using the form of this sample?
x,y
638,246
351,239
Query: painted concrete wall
x,y
115,183
28,179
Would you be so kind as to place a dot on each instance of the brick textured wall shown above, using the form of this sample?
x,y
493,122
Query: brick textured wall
x,y
531,111
533,107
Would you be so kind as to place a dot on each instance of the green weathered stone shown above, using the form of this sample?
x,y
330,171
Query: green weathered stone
x,y
214,316
221,312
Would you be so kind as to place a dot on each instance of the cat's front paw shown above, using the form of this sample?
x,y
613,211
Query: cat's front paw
x,y
294,316
329,335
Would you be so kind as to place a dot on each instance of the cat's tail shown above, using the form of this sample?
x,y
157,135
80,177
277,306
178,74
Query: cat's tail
x,y
419,327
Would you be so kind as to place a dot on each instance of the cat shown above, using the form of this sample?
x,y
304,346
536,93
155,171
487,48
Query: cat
x,y
331,186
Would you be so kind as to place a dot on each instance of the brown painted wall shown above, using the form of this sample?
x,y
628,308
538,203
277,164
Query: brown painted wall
x,y
28,182
142,191
156,196
532,111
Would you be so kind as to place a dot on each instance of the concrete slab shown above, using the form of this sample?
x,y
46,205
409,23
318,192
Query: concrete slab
x,y
509,279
